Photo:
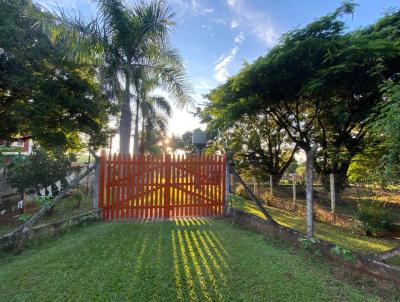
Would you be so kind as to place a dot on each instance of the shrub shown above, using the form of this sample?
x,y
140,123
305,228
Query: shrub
x,y
40,169
236,200
374,217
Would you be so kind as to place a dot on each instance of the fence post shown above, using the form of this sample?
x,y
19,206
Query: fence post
x,y
232,184
333,197
254,186
294,188
271,185
167,186
96,184
227,181
99,181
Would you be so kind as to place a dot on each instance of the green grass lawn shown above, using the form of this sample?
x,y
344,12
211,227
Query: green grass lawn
x,y
183,260
394,260
335,234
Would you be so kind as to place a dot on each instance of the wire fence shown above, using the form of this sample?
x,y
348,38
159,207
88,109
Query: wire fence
x,y
17,208
336,199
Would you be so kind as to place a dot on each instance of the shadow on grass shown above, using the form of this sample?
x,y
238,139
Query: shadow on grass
x,y
191,259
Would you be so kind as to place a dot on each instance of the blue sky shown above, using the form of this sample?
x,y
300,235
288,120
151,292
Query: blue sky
x,y
215,37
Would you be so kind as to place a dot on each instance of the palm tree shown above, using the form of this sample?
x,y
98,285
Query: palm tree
x,y
129,44
155,112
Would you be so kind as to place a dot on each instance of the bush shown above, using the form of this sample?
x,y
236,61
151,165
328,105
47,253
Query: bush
x,y
374,217
39,169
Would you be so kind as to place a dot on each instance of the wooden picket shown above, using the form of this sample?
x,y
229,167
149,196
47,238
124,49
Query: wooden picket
x,y
156,186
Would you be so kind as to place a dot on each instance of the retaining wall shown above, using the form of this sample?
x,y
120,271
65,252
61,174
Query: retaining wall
x,y
361,264
8,241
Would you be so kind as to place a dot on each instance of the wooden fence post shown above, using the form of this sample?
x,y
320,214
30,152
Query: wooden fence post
x,y
99,181
167,186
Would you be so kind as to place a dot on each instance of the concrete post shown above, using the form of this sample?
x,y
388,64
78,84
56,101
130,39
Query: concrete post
x,y
294,188
271,185
227,188
310,192
333,195
254,186
96,185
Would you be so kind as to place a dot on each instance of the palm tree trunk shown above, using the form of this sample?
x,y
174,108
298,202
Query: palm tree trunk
x,y
136,137
142,146
125,124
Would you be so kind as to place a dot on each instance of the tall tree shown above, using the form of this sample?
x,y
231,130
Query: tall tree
x,y
350,78
155,112
274,85
42,95
321,85
257,144
130,43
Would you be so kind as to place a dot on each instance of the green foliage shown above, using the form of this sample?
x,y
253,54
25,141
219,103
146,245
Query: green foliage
x,y
258,145
321,84
132,46
308,245
236,200
40,169
184,142
25,217
347,255
44,201
387,127
155,112
301,170
43,95
374,217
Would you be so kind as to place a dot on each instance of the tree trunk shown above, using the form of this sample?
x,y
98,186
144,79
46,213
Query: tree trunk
x,y
136,137
310,191
142,146
125,124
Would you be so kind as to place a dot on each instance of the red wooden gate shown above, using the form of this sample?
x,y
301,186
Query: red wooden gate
x,y
148,186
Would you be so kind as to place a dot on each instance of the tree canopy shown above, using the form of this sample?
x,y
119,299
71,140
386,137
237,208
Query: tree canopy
x,y
43,95
131,45
322,85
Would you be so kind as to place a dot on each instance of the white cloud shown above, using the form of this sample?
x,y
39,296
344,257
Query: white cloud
x,y
232,3
257,22
239,38
191,8
207,26
221,71
234,24
55,5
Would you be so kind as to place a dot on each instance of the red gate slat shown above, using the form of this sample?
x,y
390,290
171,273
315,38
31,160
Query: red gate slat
x,y
108,188
151,186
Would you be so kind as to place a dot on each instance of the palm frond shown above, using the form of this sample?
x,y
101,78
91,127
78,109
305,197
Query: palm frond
x,y
81,39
